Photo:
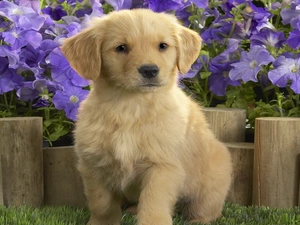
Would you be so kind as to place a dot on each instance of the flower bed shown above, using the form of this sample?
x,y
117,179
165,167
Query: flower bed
x,y
250,56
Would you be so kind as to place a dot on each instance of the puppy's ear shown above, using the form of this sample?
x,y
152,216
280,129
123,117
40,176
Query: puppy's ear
x,y
189,45
84,54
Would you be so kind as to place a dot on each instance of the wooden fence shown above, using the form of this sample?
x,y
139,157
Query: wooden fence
x,y
266,172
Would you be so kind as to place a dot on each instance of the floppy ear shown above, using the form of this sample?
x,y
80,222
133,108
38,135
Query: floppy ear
x,y
188,48
84,54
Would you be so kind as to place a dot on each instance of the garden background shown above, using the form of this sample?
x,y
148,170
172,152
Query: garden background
x,y
250,60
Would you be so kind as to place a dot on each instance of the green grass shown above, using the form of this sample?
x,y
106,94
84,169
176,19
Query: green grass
x,y
233,215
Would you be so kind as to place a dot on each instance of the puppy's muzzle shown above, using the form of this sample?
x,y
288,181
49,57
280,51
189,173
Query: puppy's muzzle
x,y
148,71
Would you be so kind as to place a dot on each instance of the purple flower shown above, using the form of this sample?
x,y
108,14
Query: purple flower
x,y
120,4
4,24
200,3
97,8
220,30
18,38
195,68
286,69
250,64
73,2
201,21
42,85
138,4
227,57
30,59
294,38
34,4
183,14
267,37
9,9
12,56
9,79
164,5
73,29
43,101
23,17
62,71
27,92
38,89
44,50
82,12
291,15
69,100
260,17
220,67
62,31
57,13
219,81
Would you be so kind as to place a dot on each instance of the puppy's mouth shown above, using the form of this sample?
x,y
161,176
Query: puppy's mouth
x,y
150,85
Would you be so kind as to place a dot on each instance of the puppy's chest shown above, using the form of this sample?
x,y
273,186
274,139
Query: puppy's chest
x,y
125,144
119,176
120,154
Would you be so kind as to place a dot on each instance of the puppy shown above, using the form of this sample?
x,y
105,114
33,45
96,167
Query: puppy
x,y
138,136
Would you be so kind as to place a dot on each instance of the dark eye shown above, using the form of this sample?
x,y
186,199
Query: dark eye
x,y
121,48
163,46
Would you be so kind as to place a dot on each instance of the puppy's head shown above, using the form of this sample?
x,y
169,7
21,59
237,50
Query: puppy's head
x,y
133,49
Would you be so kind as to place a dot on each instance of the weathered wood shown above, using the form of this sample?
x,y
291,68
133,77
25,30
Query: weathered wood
x,y
21,149
63,184
227,124
298,167
1,185
242,177
276,176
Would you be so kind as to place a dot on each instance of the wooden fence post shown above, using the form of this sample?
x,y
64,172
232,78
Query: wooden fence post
x,y
242,176
227,124
63,184
276,171
1,184
21,150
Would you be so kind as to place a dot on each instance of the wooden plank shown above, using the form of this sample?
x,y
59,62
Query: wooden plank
x,y
276,176
21,149
242,176
63,184
227,124
1,185
298,168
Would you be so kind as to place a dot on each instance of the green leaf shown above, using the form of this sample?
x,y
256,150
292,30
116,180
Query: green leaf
x,y
204,74
47,123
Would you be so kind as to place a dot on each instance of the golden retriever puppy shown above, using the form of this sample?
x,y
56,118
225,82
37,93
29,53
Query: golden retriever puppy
x,y
138,136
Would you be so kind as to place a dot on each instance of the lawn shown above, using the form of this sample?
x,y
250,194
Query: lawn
x,y
233,215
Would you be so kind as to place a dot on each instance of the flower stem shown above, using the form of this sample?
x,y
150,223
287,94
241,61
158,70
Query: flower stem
x,y
232,29
6,102
291,93
47,113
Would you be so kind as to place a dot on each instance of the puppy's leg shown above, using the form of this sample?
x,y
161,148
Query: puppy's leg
x,y
105,206
207,203
160,189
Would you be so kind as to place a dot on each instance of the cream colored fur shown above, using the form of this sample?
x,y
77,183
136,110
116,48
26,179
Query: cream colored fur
x,y
149,145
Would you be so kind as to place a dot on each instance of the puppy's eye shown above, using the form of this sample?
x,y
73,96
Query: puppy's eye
x,y
121,48
163,46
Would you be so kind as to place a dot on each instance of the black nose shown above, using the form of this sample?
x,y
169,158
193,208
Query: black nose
x,y
148,71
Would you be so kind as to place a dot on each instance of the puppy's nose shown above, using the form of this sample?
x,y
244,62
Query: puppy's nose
x,y
148,71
